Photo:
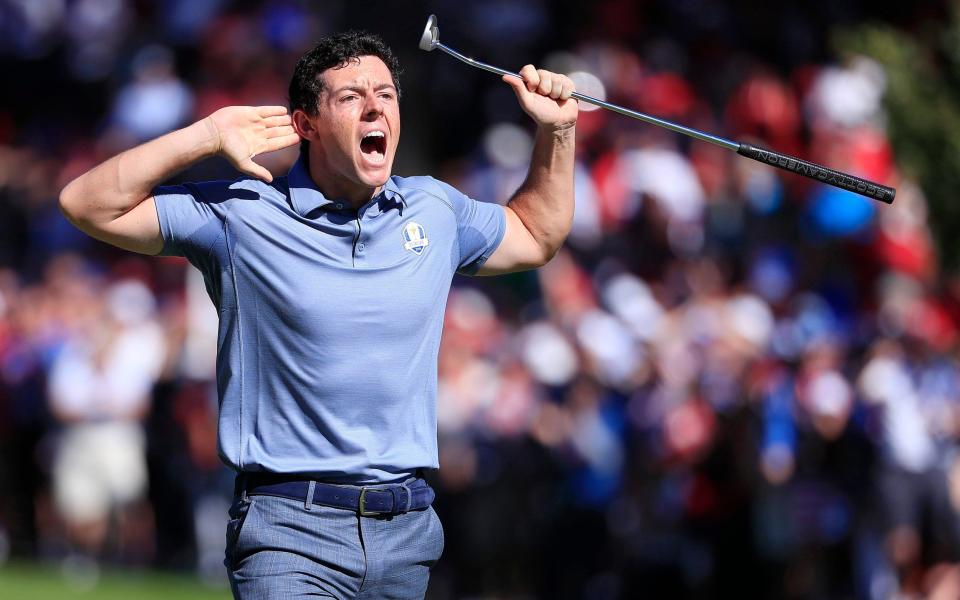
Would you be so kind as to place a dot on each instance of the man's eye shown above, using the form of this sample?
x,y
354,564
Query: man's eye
x,y
386,96
349,98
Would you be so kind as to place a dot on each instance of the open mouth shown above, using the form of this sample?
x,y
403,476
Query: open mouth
x,y
374,146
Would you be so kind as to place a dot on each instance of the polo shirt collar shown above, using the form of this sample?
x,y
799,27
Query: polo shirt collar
x,y
303,192
392,191
306,198
390,195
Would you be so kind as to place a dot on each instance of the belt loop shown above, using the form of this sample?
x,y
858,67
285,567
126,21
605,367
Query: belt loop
x,y
409,497
308,502
243,487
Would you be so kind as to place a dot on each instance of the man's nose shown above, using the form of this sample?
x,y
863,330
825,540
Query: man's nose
x,y
373,107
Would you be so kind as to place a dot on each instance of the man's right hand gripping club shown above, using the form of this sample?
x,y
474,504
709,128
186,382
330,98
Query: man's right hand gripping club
x,y
113,203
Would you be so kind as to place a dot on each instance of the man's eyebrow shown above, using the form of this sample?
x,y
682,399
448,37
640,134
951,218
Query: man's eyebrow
x,y
360,88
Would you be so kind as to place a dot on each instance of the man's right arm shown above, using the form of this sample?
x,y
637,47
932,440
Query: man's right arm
x,y
113,202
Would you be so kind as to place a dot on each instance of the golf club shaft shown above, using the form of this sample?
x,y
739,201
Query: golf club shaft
x,y
768,157
706,137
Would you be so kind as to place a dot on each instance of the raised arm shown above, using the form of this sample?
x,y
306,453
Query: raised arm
x,y
540,213
113,203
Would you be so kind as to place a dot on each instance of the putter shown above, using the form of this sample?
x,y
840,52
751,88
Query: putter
x,y
430,40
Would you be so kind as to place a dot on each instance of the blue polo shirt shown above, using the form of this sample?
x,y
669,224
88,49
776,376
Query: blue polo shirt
x,y
330,318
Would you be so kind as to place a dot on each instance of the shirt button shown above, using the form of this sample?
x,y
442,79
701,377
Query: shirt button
x,y
338,205
360,247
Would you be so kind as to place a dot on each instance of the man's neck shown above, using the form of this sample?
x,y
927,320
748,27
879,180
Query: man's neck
x,y
335,187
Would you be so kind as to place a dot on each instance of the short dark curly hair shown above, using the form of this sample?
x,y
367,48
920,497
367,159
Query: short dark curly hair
x,y
333,52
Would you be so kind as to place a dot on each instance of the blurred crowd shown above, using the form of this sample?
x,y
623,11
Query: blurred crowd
x,y
731,382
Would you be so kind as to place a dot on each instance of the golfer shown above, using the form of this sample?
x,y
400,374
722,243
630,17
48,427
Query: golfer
x,y
331,284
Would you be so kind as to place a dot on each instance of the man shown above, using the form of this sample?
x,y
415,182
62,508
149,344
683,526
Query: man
x,y
331,284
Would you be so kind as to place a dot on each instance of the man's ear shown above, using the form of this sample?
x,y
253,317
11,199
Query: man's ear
x,y
304,126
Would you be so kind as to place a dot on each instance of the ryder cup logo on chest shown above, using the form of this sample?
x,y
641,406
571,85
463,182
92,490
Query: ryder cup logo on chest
x,y
414,238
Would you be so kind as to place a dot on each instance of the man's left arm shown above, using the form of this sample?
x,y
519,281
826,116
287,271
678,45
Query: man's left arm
x,y
540,213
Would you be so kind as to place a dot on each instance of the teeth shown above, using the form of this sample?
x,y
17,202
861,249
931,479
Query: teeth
x,y
374,154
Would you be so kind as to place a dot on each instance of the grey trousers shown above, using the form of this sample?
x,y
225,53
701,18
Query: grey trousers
x,y
279,548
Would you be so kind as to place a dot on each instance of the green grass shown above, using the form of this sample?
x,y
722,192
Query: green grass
x,y
30,582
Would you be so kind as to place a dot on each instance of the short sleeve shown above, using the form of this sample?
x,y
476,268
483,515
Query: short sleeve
x,y
480,228
191,217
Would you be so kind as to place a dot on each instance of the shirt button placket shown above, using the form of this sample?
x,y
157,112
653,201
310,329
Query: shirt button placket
x,y
359,247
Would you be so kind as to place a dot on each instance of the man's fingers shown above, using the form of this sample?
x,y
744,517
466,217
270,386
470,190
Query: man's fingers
x,y
251,168
275,132
271,111
278,121
282,142
557,88
530,77
546,82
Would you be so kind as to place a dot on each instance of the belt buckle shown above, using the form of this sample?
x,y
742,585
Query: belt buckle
x,y
363,505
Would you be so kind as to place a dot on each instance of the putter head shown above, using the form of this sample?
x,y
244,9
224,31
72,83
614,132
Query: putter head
x,y
431,35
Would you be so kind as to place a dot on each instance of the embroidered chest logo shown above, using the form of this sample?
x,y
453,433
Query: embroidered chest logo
x,y
414,237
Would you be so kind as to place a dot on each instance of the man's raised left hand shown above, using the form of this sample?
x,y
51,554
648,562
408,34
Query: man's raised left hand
x,y
545,96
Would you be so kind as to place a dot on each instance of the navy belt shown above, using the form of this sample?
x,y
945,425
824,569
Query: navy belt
x,y
368,501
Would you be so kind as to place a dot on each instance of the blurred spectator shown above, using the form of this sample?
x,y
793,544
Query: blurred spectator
x,y
155,101
100,386
918,411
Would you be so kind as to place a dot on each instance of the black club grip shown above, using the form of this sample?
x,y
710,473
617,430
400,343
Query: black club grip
x,y
819,173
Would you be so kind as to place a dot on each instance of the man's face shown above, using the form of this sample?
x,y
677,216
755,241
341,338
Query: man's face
x,y
357,128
